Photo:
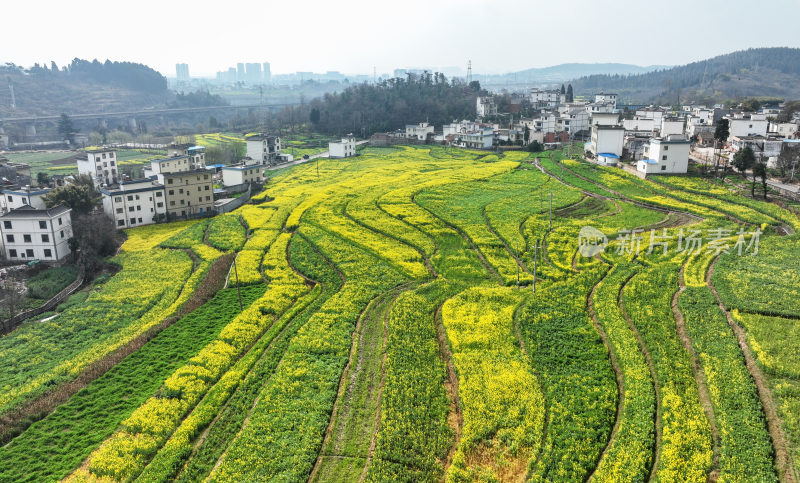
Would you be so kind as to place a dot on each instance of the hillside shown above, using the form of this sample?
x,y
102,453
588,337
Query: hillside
x,y
763,72
412,314
81,87
563,73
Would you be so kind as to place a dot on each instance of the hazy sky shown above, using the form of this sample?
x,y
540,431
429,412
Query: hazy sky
x,y
352,36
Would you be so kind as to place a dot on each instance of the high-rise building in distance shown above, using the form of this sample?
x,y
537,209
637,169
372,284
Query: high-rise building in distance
x,y
182,72
267,75
253,75
240,72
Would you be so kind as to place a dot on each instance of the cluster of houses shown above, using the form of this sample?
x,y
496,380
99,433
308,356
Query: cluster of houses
x,y
659,140
177,186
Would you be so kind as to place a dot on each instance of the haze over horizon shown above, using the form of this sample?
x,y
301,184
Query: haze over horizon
x,y
354,36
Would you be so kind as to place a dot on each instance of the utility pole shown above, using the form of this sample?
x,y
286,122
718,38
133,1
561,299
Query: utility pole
x,y
550,222
535,257
238,290
517,263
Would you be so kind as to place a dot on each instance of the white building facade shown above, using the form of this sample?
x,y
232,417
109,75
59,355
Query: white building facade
x,y
31,234
419,131
665,156
135,203
14,198
101,165
607,139
248,171
345,148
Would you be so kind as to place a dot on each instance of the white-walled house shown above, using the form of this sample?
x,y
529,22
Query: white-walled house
x,y
545,98
665,156
344,148
784,129
31,234
671,126
604,119
175,164
13,198
419,131
134,203
264,148
607,139
477,138
606,98
248,171
747,125
101,165
486,106
639,125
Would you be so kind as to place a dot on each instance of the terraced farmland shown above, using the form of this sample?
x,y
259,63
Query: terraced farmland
x,y
427,314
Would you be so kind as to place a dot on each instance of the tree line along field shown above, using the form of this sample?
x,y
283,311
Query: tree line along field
x,y
388,330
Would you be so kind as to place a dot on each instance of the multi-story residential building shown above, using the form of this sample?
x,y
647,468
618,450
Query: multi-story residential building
x,y
14,173
639,125
188,193
784,129
607,140
654,113
101,165
542,98
347,146
665,155
197,154
247,171
264,148
134,203
174,164
13,198
36,234
545,122
479,137
671,126
419,131
604,119
747,125
486,106
573,121
606,98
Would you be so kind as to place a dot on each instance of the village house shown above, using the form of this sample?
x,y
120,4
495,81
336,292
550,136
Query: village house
x,y
134,203
606,140
486,106
247,171
419,131
347,146
547,99
36,234
18,197
266,149
747,125
666,155
101,166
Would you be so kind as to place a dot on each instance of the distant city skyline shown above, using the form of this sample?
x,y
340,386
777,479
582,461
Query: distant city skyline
x,y
357,36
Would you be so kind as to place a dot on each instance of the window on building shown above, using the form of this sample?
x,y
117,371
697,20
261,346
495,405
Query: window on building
x,y
29,252
663,168
60,222
130,197
160,204
158,194
118,199
48,253
208,198
183,213
26,238
62,233
664,157
138,207
205,176
119,210
120,222
42,225
140,220
133,221
206,187
130,208
6,224
10,238
137,197
666,148
182,202
12,253
45,238
169,181
180,191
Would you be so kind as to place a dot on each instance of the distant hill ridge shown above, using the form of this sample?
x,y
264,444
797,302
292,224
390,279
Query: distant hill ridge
x,y
760,72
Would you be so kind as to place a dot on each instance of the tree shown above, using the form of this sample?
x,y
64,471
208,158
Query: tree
x,y
721,133
751,105
563,90
97,238
744,159
760,170
526,134
66,128
570,97
475,86
788,159
74,196
314,116
42,178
